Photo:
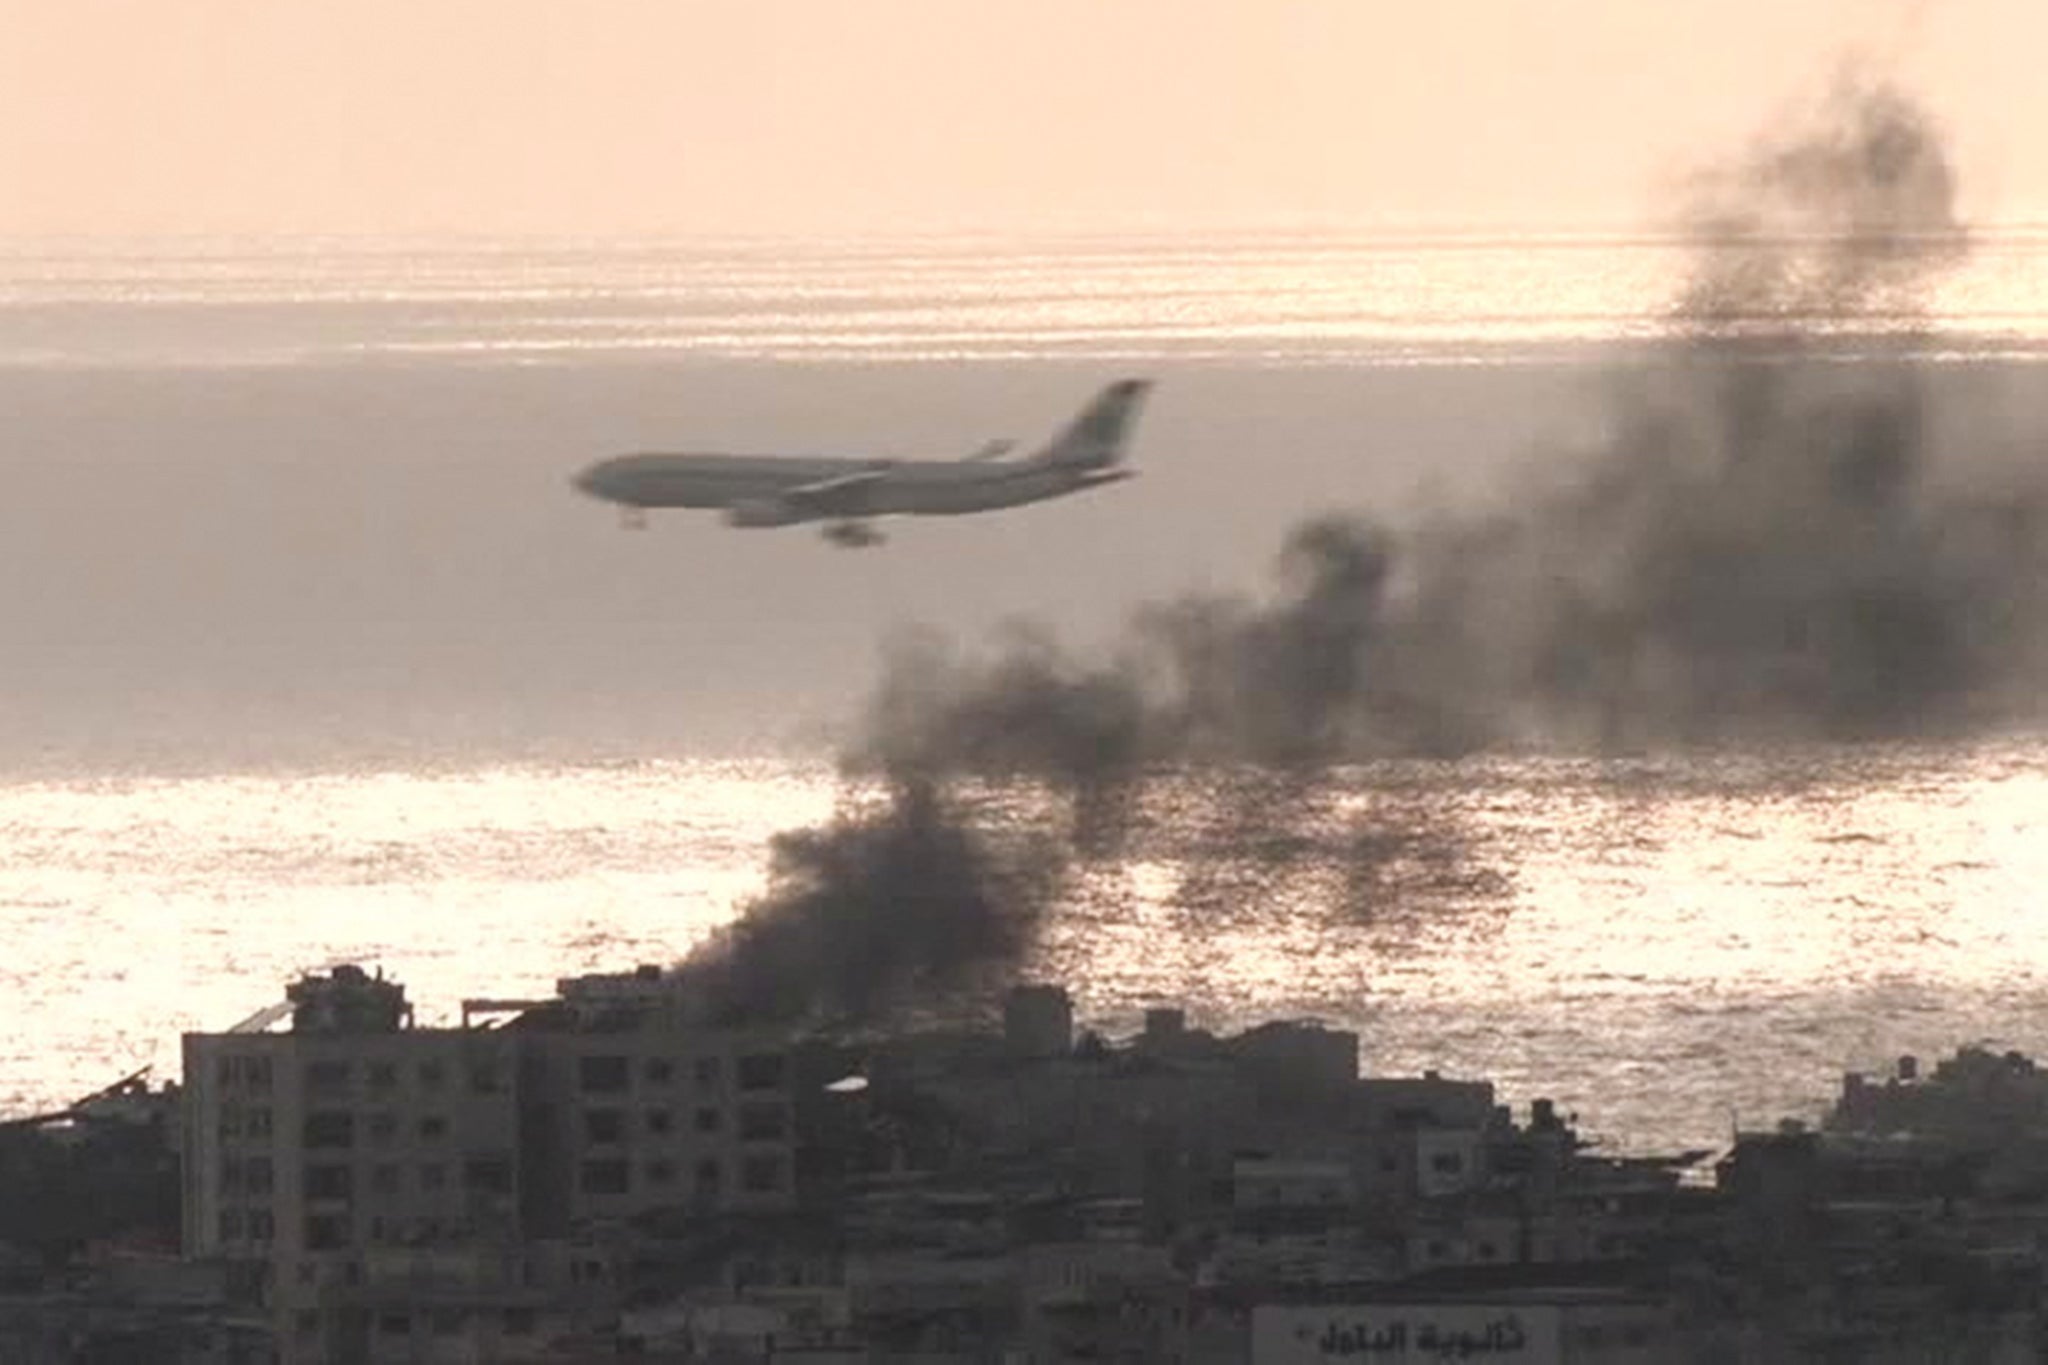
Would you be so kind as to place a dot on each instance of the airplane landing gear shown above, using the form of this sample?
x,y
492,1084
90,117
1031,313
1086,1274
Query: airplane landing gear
x,y
853,535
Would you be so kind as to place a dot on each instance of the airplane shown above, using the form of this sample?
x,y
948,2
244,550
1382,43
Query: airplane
x,y
783,490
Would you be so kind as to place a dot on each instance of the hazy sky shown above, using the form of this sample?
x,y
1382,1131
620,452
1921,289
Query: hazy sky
x,y
828,116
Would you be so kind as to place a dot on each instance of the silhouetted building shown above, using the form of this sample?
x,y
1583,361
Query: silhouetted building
x,y
358,1163
1038,1022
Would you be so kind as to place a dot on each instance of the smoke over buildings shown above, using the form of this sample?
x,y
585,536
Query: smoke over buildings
x,y
898,899
1765,542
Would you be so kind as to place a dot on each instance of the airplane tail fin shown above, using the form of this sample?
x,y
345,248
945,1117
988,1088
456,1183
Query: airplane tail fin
x,y
1096,438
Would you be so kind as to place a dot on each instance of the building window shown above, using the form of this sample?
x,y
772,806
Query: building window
x,y
602,1075
1447,1163
447,1322
763,1122
660,1071
230,1224
307,1322
710,1075
433,1075
382,1129
384,1178
328,1128
604,1125
327,1182
761,1071
761,1174
604,1177
325,1078
326,1232
661,1172
707,1120
256,1123
229,1124
383,1076
394,1325
489,1174
433,1127
433,1176
709,1176
518,1322
660,1121
484,1077
256,1175
262,1227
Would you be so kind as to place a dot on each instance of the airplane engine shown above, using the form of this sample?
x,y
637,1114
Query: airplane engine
x,y
762,512
853,535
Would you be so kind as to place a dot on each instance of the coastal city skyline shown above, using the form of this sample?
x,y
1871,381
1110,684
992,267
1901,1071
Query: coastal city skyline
x,y
1508,823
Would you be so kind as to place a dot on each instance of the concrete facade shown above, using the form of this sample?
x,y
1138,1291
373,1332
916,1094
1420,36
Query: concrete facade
x,y
357,1162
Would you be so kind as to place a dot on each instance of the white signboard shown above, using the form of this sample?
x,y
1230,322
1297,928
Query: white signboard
x,y
1398,1334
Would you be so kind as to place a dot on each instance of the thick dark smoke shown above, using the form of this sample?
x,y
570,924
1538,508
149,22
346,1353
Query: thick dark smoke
x,y
1772,539
1277,683
1026,709
897,901
1767,543
909,897
1201,679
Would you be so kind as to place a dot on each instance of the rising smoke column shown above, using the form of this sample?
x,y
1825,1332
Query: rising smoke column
x,y
914,894
1025,708
897,902
1761,547
1278,683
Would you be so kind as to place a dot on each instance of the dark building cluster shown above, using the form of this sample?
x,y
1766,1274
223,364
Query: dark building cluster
x,y
614,1172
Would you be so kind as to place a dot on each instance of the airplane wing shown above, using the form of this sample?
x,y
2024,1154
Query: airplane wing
x,y
994,450
840,496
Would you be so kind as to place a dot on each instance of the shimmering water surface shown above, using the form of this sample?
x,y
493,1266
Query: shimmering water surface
x,y
1663,945
1277,299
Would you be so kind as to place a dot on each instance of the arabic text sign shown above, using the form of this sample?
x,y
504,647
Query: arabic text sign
x,y
1405,1334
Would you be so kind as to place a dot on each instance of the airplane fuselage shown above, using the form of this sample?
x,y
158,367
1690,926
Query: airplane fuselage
x,y
905,488
782,490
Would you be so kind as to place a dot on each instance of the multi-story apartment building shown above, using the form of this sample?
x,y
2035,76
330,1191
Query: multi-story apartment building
x,y
632,1107
318,1159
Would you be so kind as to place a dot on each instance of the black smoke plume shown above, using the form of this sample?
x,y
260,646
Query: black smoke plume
x,y
898,902
1767,543
933,886
1771,541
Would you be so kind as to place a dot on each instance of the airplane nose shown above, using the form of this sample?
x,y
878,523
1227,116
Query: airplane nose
x,y
591,480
